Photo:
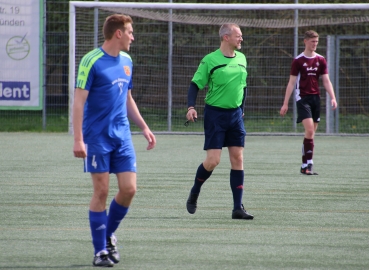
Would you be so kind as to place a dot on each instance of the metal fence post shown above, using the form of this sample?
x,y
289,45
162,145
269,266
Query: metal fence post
x,y
331,48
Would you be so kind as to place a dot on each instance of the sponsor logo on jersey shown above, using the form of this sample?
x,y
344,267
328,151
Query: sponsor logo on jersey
x,y
120,84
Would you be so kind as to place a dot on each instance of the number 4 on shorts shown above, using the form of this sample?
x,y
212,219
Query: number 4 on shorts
x,y
94,164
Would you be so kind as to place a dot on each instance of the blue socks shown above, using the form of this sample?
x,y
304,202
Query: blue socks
x,y
201,176
116,214
236,181
98,230
103,226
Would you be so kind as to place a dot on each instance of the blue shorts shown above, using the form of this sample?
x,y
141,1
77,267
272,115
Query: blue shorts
x,y
112,157
223,128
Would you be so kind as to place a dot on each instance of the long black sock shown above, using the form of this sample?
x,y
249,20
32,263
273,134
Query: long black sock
x,y
236,181
201,176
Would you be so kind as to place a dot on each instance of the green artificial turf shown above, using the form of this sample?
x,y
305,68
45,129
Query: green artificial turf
x,y
301,222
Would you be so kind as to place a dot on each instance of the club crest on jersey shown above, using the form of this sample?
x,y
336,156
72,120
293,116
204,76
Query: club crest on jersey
x,y
127,70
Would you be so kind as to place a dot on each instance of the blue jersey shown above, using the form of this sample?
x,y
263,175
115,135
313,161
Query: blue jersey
x,y
108,80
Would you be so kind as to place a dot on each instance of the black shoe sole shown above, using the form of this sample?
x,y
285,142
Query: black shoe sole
x,y
108,265
247,218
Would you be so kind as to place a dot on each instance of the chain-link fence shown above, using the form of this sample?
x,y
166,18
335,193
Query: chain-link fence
x,y
269,52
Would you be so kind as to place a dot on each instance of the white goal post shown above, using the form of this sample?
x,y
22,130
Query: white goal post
x,y
177,6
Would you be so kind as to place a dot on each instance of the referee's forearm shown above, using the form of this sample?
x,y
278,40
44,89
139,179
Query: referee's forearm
x,y
192,95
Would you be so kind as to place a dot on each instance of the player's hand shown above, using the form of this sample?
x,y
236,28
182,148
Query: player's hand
x,y
334,104
79,149
191,115
150,137
283,110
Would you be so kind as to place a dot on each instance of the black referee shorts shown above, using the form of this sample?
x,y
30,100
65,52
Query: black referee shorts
x,y
223,128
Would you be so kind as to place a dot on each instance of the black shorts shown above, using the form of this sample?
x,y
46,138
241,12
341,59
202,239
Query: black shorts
x,y
223,128
308,107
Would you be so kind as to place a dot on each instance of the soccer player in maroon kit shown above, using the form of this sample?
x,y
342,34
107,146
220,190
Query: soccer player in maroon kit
x,y
306,69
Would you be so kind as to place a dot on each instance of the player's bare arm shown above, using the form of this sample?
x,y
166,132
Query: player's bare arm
x,y
135,115
80,97
289,90
329,88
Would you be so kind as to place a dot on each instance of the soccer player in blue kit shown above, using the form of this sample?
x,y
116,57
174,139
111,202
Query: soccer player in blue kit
x,y
102,105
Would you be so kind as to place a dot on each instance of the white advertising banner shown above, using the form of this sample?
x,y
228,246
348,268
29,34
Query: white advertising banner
x,y
21,57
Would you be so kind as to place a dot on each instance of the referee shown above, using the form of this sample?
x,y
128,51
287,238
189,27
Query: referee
x,y
224,72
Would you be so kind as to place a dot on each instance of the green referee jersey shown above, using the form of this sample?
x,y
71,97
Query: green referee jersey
x,y
225,77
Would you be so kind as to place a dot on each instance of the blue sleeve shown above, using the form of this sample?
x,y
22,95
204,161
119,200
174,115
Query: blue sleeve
x,y
192,94
244,99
